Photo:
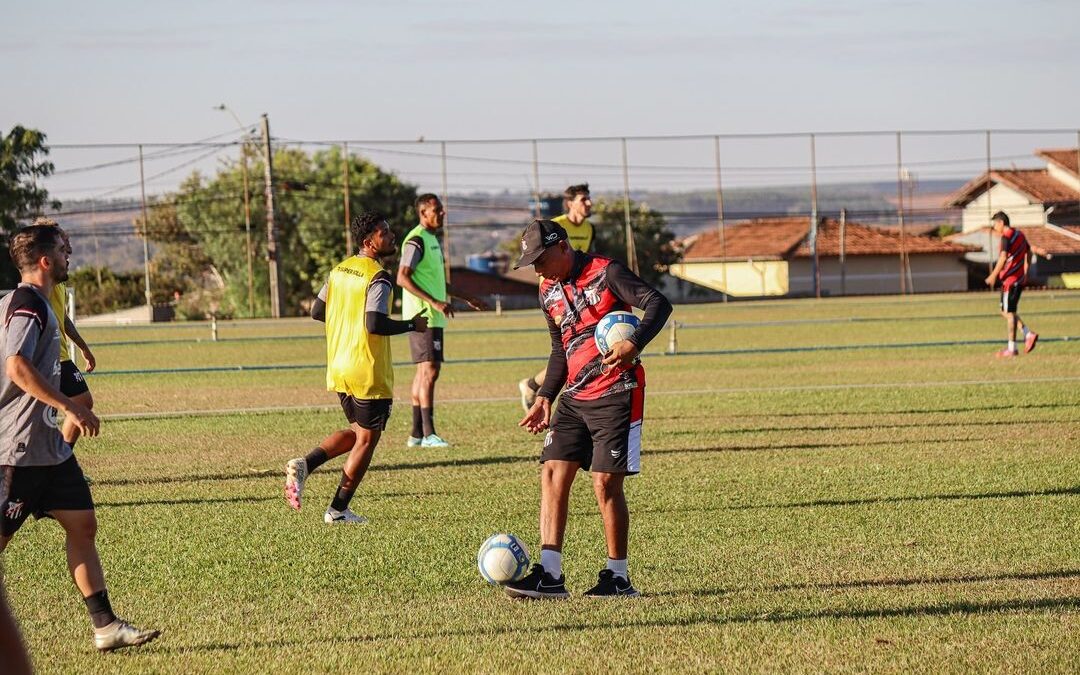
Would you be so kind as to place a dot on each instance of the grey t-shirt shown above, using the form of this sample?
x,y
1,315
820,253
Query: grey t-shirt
x,y
412,253
29,433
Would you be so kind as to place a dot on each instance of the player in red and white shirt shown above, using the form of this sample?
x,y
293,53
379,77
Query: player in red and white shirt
x,y
597,426
1012,270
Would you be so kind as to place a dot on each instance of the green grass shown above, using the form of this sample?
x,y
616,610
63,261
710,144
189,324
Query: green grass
x,y
872,509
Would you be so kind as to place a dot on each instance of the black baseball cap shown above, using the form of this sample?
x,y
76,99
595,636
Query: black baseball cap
x,y
539,235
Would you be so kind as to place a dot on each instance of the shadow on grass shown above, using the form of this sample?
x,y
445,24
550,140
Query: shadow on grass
x,y
531,631
908,411
870,426
246,475
879,583
1052,492
191,500
811,446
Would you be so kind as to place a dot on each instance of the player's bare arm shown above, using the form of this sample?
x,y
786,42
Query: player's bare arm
x,y
27,378
539,416
992,279
73,333
405,280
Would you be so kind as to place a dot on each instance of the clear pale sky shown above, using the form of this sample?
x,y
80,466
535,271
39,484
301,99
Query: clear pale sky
x,y
151,71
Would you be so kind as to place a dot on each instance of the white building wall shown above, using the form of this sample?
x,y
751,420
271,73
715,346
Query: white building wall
x,y
879,274
1022,213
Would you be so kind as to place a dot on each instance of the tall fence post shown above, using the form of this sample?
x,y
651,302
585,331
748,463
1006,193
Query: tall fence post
x,y
446,218
843,246
345,180
989,208
536,179
816,272
146,238
900,214
720,219
631,251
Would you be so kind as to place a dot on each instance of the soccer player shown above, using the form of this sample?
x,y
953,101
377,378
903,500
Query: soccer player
x,y
422,278
40,474
355,304
579,232
597,426
1012,270
72,382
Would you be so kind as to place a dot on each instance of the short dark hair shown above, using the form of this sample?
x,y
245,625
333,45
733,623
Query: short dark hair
x,y
363,225
570,193
424,199
30,243
1002,216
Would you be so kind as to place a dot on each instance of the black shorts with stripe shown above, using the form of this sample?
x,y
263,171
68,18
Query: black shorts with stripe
x,y
369,413
602,434
37,490
1010,298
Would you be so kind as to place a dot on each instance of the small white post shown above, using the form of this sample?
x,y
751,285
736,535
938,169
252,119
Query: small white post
x,y
498,304
213,327
673,338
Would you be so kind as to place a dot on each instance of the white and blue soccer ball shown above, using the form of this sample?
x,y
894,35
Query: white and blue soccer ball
x,y
614,327
502,559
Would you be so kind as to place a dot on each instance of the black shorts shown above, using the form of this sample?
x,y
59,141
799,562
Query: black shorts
x,y
602,435
72,382
427,347
1010,298
369,413
26,490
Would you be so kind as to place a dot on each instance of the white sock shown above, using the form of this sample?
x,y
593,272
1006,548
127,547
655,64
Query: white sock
x,y
618,567
1026,331
1012,345
551,561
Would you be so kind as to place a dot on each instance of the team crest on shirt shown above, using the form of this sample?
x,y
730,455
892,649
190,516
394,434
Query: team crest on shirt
x,y
524,245
49,415
592,296
13,510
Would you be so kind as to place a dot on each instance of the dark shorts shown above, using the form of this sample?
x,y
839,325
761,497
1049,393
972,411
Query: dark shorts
x,y
427,347
369,413
26,490
602,435
1010,298
72,382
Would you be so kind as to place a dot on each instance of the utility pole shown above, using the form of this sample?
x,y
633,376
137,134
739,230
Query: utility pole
x,y
900,215
345,178
631,251
277,295
145,238
814,218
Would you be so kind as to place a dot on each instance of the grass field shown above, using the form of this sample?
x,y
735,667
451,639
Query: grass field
x,y
877,507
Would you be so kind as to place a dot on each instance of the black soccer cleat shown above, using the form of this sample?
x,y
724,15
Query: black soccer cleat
x,y
611,586
538,585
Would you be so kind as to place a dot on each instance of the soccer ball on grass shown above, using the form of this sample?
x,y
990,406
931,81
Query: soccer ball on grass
x,y
502,558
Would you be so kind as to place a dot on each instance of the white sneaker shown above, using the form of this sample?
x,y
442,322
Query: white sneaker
x,y
295,474
334,517
120,634
434,441
528,396
414,442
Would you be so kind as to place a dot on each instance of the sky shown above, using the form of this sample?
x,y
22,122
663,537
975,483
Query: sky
x,y
129,72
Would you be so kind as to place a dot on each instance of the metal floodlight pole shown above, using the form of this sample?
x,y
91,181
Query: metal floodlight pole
x,y
814,218
247,208
536,179
277,291
720,219
345,180
900,214
146,237
446,218
631,251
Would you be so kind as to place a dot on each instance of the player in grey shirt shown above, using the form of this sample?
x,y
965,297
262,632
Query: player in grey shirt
x,y
39,474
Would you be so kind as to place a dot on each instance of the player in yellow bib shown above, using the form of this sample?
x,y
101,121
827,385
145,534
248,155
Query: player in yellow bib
x,y
355,305
579,230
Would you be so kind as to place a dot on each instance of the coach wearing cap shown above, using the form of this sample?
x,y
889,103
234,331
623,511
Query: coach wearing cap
x,y
597,426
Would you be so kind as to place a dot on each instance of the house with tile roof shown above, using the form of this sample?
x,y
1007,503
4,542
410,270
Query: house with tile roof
x,y
1044,203
774,257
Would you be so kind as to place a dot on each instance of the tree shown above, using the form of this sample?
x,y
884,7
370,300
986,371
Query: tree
x,y
654,242
309,213
23,161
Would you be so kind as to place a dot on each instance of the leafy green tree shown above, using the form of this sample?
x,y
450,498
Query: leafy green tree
x,y
653,241
310,218
23,154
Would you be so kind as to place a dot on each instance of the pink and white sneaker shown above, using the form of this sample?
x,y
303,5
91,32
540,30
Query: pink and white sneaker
x,y
1030,340
1005,353
295,474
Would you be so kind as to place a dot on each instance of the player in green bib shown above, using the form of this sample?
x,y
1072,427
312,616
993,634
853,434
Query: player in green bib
x,y
422,277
